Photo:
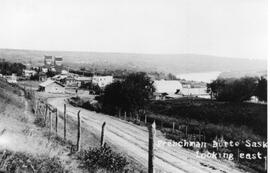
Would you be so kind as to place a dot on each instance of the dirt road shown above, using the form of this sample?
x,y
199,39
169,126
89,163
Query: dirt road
x,y
133,140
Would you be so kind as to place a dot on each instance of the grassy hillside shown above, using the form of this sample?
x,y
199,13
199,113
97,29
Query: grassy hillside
x,y
26,145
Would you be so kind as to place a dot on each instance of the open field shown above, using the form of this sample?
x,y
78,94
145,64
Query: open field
x,y
221,113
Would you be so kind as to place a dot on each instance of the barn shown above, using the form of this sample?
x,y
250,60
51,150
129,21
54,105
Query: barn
x,y
50,86
167,89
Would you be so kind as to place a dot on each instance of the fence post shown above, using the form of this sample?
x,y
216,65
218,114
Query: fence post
x,y
79,132
102,134
173,125
125,116
186,130
65,123
46,113
145,119
36,107
50,115
56,120
152,134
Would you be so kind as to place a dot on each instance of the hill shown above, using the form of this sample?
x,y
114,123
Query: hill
x,y
174,63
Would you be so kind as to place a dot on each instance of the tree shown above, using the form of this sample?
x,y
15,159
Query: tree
x,y
236,90
113,97
261,90
170,76
130,95
7,68
50,73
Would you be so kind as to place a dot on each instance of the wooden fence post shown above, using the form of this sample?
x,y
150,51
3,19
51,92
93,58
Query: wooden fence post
x,y
79,132
56,120
152,134
50,115
36,107
102,134
46,113
145,119
125,116
186,130
65,123
173,125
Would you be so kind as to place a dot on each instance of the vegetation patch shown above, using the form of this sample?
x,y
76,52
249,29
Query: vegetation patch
x,y
95,159
21,162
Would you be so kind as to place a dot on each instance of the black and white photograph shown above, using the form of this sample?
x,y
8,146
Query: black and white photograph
x,y
133,86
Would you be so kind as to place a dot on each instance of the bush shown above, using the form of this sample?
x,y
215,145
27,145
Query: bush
x,y
39,121
102,158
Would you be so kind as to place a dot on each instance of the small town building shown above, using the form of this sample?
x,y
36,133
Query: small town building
x,y
29,73
102,81
51,86
12,78
80,80
167,89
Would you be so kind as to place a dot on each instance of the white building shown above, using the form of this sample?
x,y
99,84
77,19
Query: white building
x,y
102,81
12,78
167,88
50,86
29,73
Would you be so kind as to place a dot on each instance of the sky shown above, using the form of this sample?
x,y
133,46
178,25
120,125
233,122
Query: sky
x,y
231,28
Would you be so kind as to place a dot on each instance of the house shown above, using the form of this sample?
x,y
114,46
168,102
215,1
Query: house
x,y
51,86
167,89
12,78
102,81
80,80
29,73
44,69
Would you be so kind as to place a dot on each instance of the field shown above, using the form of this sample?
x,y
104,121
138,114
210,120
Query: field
x,y
220,113
214,120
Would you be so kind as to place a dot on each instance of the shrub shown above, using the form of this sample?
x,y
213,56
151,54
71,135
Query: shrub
x,y
102,158
39,121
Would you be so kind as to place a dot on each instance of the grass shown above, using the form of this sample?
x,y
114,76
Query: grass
x,y
231,121
22,162
221,113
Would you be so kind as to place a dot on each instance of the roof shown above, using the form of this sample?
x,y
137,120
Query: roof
x,y
49,82
82,78
167,86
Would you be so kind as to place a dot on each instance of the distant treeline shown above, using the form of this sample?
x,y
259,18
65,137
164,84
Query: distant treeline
x,y
121,73
238,90
7,68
